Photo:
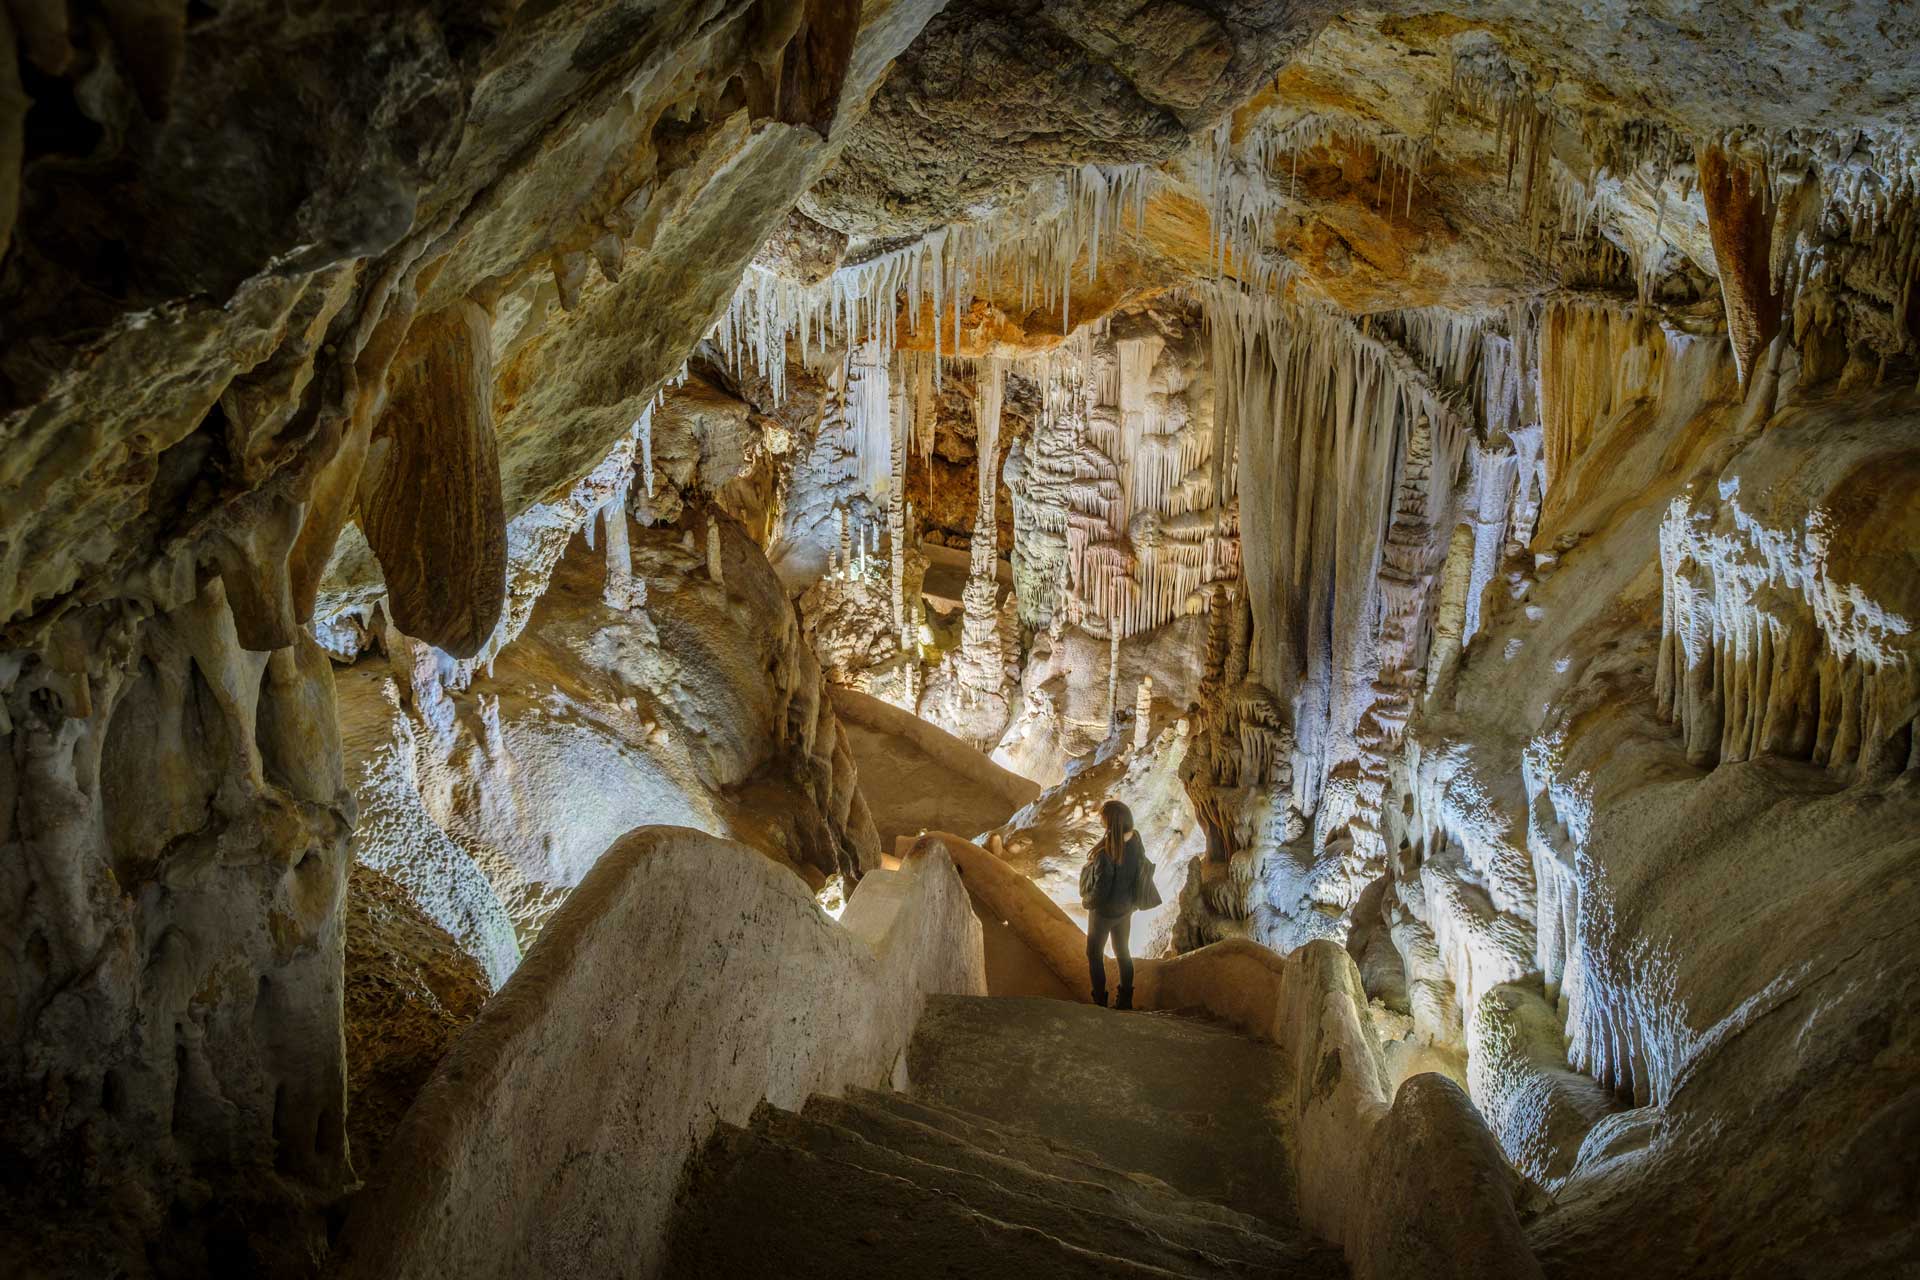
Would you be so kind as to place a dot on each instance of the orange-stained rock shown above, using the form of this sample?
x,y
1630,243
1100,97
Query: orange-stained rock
x,y
1740,216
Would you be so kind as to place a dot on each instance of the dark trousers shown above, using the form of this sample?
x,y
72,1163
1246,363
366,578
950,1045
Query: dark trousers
x,y
1099,929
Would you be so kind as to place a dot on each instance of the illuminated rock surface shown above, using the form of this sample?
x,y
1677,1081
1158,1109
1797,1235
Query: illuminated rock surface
x,y
437,440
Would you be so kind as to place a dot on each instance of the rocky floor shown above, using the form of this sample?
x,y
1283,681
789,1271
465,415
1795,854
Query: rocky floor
x,y
1112,1153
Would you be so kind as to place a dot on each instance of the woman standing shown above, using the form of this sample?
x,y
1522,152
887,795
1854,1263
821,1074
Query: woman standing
x,y
1116,881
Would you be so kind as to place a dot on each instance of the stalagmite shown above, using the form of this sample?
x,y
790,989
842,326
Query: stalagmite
x,y
713,551
1057,618
1213,671
619,591
1143,714
1113,674
981,670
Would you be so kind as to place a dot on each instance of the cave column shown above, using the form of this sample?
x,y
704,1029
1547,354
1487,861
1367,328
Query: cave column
x,y
619,591
980,657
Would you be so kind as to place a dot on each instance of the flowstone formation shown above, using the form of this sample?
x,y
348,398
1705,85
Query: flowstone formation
x,y
1450,470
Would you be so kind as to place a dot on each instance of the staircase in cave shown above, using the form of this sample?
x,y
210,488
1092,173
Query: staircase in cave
x,y
1038,1138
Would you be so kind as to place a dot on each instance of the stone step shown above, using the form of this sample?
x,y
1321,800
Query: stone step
x,y
754,1206
1194,1104
983,1178
1045,1155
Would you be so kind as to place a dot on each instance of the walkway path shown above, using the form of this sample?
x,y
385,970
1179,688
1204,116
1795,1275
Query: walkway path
x,y
1038,1139
916,777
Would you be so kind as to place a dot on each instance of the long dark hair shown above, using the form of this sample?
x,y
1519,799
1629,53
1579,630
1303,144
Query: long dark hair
x,y
1119,820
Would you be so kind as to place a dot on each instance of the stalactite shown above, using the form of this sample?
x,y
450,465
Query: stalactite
x,y
1765,650
1246,192
1070,218
869,421
1450,632
643,429
897,507
1323,412
1740,219
1240,648
908,621
1124,469
1594,358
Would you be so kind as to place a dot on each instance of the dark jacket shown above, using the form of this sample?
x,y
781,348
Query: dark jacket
x,y
1119,893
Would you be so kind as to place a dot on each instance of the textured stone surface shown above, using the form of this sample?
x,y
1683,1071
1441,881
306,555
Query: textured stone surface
x,y
430,488
491,802
916,778
409,992
1620,799
1350,1136
503,1162
1132,1091
994,95
228,220
177,854
751,1188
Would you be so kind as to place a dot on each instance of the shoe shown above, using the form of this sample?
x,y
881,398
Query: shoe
x,y
1126,999
1100,998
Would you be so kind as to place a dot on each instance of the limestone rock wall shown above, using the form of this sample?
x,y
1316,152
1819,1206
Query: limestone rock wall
x,y
177,852
916,778
268,272
410,991
490,800
1605,869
